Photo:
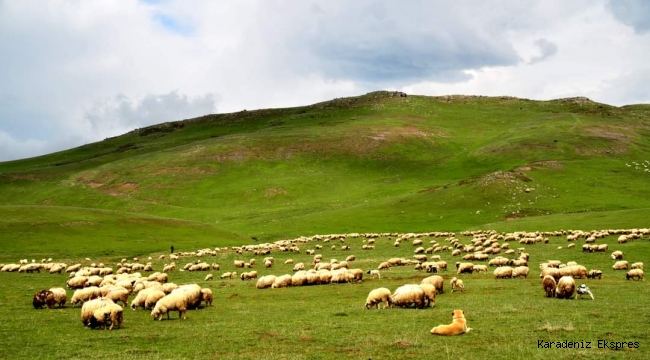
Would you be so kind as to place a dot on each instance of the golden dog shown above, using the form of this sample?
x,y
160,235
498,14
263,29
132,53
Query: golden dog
x,y
457,327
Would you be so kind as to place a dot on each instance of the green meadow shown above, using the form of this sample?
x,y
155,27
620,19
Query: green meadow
x,y
373,163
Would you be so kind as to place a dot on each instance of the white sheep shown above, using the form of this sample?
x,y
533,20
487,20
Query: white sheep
x,y
437,281
407,295
378,296
59,296
617,255
209,277
621,265
80,296
504,272
374,273
206,296
176,301
634,274
282,281
89,307
112,313
265,281
637,265
430,292
566,287
520,271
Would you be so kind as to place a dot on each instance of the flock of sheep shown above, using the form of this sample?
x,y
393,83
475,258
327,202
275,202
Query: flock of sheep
x,y
99,289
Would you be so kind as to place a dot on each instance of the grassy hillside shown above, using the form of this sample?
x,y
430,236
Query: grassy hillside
x,y
377,162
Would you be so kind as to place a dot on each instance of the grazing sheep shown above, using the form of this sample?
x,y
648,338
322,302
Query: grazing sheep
x,y
407,295
89,307
118,294
621,265
384,265
466,268
112,313
288,262
249,275
378,296
206,296
41,298
192,293
555,273
520,271
457,283
58,297
436,280
549,285
374,273
430,292
504,272
80,296
634,274
617,255
282,281
265,281
457,327
239,263
592,274
77,282
637,265
209,277
299,266
566,287
480,268
583,290
176,301
226,275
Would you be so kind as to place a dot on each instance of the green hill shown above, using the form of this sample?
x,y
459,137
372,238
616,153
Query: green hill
x,y
377,162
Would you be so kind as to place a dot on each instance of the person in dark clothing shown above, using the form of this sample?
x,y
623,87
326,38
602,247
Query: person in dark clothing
x,y
172,249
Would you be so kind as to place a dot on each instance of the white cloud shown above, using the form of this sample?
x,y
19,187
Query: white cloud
x,y
79,71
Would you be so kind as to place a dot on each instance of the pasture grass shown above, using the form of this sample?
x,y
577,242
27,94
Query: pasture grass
x,y
508,317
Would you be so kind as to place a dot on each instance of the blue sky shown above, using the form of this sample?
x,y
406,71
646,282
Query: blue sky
x,y
75,71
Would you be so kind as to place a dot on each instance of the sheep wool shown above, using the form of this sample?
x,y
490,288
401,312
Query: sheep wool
x,y
566,287
549,285
89,307
437,281
206,296
112,313
176,301
407,295
378,296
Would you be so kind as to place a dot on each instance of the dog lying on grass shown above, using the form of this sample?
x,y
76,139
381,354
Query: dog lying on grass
x,y
457,327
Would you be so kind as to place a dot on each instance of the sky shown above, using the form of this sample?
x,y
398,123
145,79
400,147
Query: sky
x,y
74,71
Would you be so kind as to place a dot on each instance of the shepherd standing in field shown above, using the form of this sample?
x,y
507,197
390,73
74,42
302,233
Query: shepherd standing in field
x,y
172,248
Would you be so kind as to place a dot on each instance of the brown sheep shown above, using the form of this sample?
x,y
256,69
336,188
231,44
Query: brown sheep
x,y
549,285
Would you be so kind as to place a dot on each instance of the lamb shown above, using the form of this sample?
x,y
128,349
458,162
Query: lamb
x,y
265,281
617,255
80,296
457,283
592,274
407,295
566,287
206,296
174,301
549,285
110,312
378,296
621,265
504,272
374,273
634,274
436,280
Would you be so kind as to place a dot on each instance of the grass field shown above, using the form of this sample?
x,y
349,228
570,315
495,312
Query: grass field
x,y
508,317
373,163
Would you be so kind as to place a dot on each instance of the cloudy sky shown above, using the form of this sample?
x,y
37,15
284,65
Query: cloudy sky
x,y
75,71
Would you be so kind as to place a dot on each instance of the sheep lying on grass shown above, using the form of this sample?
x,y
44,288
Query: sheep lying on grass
x,y
378,296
